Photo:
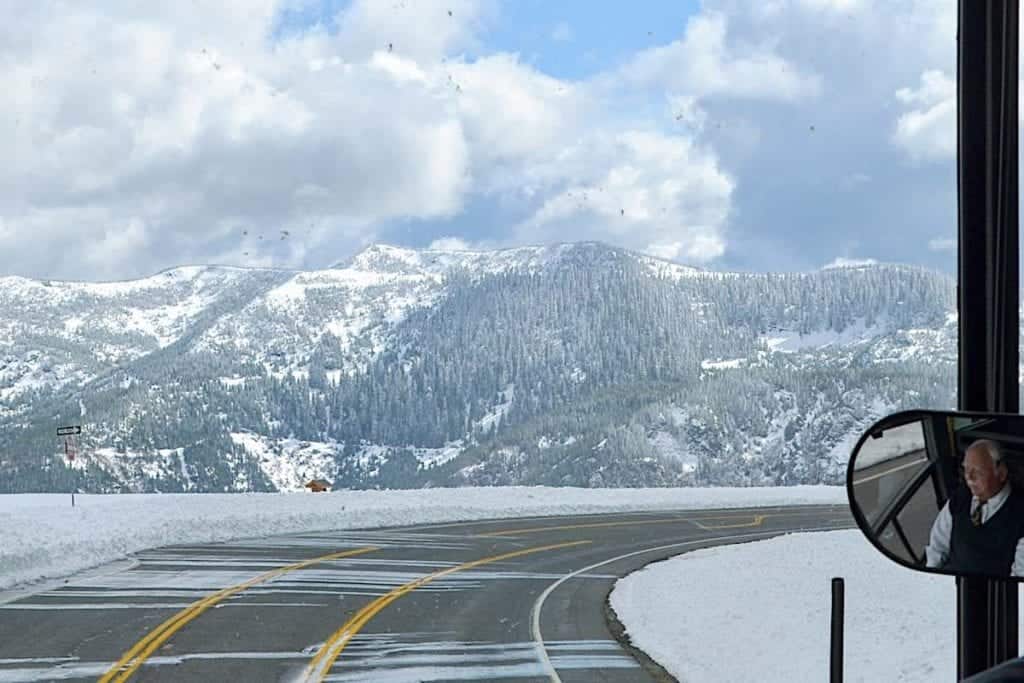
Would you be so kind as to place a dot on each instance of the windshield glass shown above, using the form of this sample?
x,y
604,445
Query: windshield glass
x,y
281,246
726,220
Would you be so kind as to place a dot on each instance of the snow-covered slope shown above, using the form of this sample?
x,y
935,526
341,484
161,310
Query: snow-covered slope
x,y
57,333
572,364
358,303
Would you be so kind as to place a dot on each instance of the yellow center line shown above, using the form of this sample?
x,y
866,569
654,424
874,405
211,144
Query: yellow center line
x,y
321,664
591,525
132,659
759,519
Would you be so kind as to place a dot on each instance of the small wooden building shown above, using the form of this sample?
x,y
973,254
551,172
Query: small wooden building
x,y
318,485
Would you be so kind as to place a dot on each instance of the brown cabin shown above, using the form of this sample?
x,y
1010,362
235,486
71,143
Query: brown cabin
x,y
318,485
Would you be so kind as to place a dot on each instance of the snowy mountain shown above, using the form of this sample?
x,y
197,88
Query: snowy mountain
x,y
573,364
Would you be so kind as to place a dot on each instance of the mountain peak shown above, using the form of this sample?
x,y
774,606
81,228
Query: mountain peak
x,y
387,258
383,257
380,252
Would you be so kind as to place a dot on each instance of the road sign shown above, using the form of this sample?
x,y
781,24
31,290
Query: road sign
x,y
69,433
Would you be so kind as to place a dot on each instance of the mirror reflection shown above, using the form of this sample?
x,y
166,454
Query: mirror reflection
x,y
943,492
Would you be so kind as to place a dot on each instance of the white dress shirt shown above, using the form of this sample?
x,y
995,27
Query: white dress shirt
x,y
938,544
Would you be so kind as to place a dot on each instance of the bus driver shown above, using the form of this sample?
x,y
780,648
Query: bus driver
x,y
980,529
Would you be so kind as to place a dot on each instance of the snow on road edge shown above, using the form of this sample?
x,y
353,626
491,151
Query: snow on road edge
x,y
761,611
42,536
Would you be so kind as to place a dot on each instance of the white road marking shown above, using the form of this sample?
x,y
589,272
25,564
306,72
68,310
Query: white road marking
x,y
549,668
888,472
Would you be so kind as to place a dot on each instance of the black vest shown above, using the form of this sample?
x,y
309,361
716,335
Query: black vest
x,y
989,548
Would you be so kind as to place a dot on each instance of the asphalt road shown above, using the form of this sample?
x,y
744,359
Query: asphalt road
x,y
499,600
875,487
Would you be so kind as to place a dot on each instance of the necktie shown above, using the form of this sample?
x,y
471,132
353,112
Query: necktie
x,y
976,515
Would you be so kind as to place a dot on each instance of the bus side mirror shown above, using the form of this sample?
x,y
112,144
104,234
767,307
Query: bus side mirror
x,y
916,481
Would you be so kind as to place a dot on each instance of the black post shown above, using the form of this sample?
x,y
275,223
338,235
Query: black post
x,y
838,611
988,293
66,450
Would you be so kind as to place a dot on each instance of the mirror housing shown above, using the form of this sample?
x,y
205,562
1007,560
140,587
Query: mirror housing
x,y
943,492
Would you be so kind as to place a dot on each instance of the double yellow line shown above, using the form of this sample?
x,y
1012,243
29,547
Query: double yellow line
x,y
757,520
132,659
588,525
325,658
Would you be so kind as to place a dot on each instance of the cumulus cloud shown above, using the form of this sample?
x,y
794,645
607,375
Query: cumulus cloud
x,y
927,130
190,133
137,137
450,244
942,244
771,8
195,134
843,262
425,31
513,113
704,62
644,190
686,110
835,5
647,184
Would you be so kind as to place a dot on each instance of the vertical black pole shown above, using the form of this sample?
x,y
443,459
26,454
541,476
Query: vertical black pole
x,y
66,458
988,293
838,611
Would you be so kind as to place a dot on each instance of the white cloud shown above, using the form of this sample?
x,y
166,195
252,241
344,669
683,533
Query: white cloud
x,y
773,8
183,126
450,244
172,122
424,30
512,112
928,130
942,244
835,5
182,134
561,33
686,110
647,191
704,63
843,262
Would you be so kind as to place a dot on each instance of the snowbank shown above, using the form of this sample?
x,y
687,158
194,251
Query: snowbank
x,y
895,443
42,536
761,611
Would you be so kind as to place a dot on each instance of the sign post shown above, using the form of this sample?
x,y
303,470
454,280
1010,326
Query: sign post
x,y
69,451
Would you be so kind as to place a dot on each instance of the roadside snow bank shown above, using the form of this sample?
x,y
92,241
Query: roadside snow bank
x,y
42,536
761,611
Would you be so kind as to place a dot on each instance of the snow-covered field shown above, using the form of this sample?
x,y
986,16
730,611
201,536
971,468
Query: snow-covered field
x,y
761,611
42,536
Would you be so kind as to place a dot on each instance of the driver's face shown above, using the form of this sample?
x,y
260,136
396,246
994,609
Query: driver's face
x,y
983,478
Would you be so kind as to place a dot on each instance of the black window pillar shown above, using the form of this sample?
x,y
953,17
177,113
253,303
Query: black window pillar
x,y
988,291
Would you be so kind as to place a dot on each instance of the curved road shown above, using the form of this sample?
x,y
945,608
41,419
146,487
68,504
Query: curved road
x,y
497,600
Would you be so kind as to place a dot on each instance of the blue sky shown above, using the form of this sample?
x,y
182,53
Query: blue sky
x,y
771,136
568,39
596,36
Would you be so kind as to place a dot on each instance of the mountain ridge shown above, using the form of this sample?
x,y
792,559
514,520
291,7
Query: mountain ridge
x,y
571,364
